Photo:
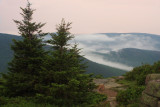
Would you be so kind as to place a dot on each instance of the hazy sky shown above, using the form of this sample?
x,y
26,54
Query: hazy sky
x,y
88,16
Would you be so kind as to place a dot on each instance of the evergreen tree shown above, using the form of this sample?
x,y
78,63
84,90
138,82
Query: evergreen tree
x,y
67,84
29,56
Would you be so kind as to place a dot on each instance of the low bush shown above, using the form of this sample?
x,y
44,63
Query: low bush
x,y
139,74
130,95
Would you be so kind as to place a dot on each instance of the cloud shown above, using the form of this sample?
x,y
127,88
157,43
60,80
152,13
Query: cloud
x,y
94,37
99,59
101,43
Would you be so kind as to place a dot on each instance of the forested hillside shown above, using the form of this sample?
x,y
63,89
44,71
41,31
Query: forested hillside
x,y
132,57
5,50
6,55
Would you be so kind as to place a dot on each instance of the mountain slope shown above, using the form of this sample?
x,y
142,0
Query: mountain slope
x,y
132,57
104,70
6,55
5,51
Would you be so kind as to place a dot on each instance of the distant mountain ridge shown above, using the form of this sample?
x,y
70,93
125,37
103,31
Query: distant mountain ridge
x,y
6,54
135,57
114,34
132,57
120,50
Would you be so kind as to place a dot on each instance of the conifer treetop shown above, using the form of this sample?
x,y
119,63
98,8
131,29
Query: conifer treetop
x,y
27,28
62,36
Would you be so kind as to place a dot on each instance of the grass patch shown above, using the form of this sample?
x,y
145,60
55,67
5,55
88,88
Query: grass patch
x,y
126,83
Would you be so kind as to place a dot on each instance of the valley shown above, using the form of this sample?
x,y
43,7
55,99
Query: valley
x,y
101,60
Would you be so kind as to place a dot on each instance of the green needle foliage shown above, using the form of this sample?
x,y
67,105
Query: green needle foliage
x,y
29,55
56,78
66,84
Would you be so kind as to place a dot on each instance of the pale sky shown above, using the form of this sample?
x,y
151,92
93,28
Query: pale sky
x,y
88,16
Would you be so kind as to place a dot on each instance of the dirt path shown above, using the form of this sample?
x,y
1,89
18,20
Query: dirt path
x,y
107,86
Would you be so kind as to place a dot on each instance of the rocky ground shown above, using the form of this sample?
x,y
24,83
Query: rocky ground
x,y
108,87
150,96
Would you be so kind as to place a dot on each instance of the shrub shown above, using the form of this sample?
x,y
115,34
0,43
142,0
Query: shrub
x,y
139,74
129,95
99,76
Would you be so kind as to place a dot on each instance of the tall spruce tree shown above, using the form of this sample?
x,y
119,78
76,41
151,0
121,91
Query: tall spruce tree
x,y
29,55
68,85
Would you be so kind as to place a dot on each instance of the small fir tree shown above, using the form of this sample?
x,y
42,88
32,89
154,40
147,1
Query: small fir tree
x,y
29,55
67,83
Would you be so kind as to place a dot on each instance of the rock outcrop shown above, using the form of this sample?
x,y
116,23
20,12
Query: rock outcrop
x,y
151,95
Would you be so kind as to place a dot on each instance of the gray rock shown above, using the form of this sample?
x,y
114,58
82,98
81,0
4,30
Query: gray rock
x,y
151,77
149,100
